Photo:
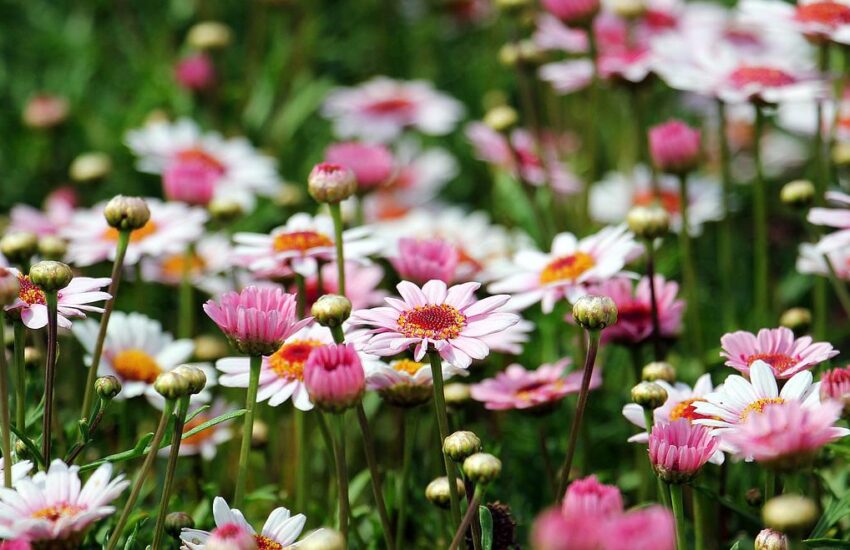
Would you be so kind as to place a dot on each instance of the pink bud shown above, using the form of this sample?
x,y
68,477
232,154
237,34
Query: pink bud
x,y
46,111
191,180
674,147
231,536
576,12
334,377
195,72
420,261
372,164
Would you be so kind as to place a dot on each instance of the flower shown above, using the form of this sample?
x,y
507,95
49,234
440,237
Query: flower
x,y
361,284
51,507
231,536
256,320
46,111
195,72
420,261
448,320
587,497
19,469
511,340
172,226
518,388
812,260
280,530
650,528
553,530
334,377
786,435
209,258
58,210
835,385
381,108
572,11
404,382
568,269
817,20
678,450
181,151
777,347
674,147
73,300
833,217
373,165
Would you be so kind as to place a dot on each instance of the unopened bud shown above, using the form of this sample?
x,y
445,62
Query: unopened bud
x,y
501,118
19,246
459,445
791,514
209,35
323,539
51,276
331,182
210,348
509,54
331,310
171,385
22,451
798,193
126,213
195,377
51,247
107,387
648,222
90,167
841,154
768,539
798,319
482,467
259,434
437,492
175,522
595,313
649,395
530,53
627,9
659,370
456,394
224,210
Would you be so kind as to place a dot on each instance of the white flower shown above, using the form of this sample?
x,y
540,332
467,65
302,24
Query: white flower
x,y
211,257
205,442
19,469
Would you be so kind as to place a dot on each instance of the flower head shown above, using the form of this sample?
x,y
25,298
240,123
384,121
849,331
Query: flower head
x,y
372,164
777,347
674,147
680,449
57,212
334,377
574,12
587,497
650,528
404,382
835,385
838,218
74,300
419,261
195,72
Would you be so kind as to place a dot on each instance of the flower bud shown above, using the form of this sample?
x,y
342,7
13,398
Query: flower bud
x,y
798,319
627,9
323,539
841,154
674,147
194,376
175,522
51,247
595,312
331,310
89,167
334,377
51,276
509,54
19,246
791,514
126,213
530,53
46,111
209,35
482,467
437,492
107,387
331,182
171,385
32,357
768,539
456,394
210,348
459,445
224,210
231,536
501,118
649,222
649,395
10,287
798,194
259,434
288,194
659,370
22,451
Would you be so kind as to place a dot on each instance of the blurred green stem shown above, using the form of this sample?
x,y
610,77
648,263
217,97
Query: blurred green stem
x,y
5,420
699,519
341,474
371,461
725,237
301,491
819,297
20,376
301,301
49,374
839,286
761,281
173,454
689,274
408,442
186,304
679,514
443,425
769,484
336,214
247,429
471,513
653,301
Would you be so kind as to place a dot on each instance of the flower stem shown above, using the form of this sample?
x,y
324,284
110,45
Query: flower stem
x,y
839,286
336,214
679,514
653,300
471,512
821,177
369,449
301,296
5,420
443,425
409,441
301,494
341,475
699,519
589,360
689,274
185,305
548,467
761,281
120,251
247,429
725,238
142,475
769,484
49,374
173,454
20,377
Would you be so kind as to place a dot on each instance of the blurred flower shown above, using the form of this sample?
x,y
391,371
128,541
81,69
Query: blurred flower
x,y
58,211
812,260
835,385
405,382
588,497
576,12
361,284
818,20
46,111
20,469
650,528
553,530
674,147
381,108
172,226
449,320
833,217
205,442
521,389
74,300
785,354
195,72
511,340
373,165
231,536
419,261
211,256
551,34
678,450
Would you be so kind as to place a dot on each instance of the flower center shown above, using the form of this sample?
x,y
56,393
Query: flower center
x,y
199,157
659,20
58,511
434,322
669,200
407,365
300,241
634,312
759,405
390,106
175,265
831,14
200,437
763,76
137,365
567,268
265,543
529,391
28,292
778,361
685,409
288,361
111,234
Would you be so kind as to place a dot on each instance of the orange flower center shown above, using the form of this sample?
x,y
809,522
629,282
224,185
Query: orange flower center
x,y
685,409
765,76
57,511
527,392
200,437
136,365
567,268
759,405
265,543
827,13
111,234
28,292
199,156
435,322
288,361
780,362
669,200
407,365
300,241
175,265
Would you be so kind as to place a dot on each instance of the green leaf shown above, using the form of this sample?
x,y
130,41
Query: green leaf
x,y
486,527
736,546
217,420
837,509
827,543
31,447
193,414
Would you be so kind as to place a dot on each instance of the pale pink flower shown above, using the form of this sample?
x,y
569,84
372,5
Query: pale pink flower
x,y
811,259
361,284
838,218
532,390
191,180
835,384
818,20
552,530
372,164
208,262
16,544
572,11
74,300
419,261
46,111
231,536
334,377
551,34
651,528
587,497
512,340
404,381
256,320
195,72
448,320
674,147
777,347
58,210
678,450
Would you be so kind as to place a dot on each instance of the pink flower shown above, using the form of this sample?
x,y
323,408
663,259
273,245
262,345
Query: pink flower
x,y
448,320
518,388
373,165
679,450
835,384
777,347
552,530
674,147
74,300
195,72
786,435
650,528
420,261
833,217
58,211
16,544
587,497
361,284
191,179
819,20
46,111
572,11
231,536
334,377
256,320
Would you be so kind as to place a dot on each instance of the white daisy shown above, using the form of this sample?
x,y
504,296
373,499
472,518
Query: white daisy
x,y
210,257
19,470
205,442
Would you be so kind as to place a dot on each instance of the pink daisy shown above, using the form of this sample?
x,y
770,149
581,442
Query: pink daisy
x,y
818,20
361,284
74,300
533,390
512,340
678,450
419,261
835,384
405,382
372,164
650,528
58,211
587,497
777,347
448,320
195,72
552,530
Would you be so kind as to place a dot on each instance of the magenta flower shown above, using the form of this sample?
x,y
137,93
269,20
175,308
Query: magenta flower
x,y
74,300
518,388
674,147
572,11
449,320
191,179
373,164
256,320
587,497
420,261
334,377
650,528
195,72
679,450
777,347
835,384
16,544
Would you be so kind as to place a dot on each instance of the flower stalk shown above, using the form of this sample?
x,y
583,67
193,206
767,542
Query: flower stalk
x,y
49,373
689,271
20,376
5,419
247,429
679,514
369,449
443,426
725,237
173,454
336,214
761,282
185,304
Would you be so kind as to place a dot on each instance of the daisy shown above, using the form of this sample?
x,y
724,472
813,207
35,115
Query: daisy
x,y
511,340
531,390
210,257
434,317
404,382
51,508
301,244
381,108
188,158
678,450
818,20
205,443
833,217
613,197
19,469
280,530
172,226
58,209
73,300
835,385
785,354
812,260
568,269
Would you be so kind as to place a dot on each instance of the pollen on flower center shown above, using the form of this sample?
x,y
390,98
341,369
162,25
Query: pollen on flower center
x,y
829,13
28,292
288,361
759,405
265,543
407,365
567,268
111,234
685,409
300,241
201,157
435,322
176,264
136,365
780,362
669,200
764,76
57,511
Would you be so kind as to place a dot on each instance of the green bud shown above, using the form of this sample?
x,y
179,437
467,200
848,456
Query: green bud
x,y
459,445
331,310
171,385
649,395
595,313
482,467
51,276
107,387
126,213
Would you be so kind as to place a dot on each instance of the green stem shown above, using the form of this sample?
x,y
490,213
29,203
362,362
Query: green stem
x,y
369,449
301,494
761,282
5,420
120,252
143,473
338,334
689,274
839,286
341,475
186,306
409,441
20,377
819,294
443,425
49,374
699,519
679,514
173,454
653,301
471,512
769,484
725,238
247,429
592,121
301,296
336,214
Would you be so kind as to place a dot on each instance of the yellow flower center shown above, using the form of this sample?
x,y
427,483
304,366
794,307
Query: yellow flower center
x,y
300,241
759,405
407,365
435,322
289,360
265,543
136,365
567,268
685,409
111,234
174,265
28,292
57,511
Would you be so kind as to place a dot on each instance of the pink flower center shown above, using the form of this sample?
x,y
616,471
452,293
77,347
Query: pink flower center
x,y
763,76
780,362
434,322
669,200
634,312
30,293
828,13
759,405
58,511
300,241
288,361
567,268
685,409
531,390
265,543
202,158
391,106
659,20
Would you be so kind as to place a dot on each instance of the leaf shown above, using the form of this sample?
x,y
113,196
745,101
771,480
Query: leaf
x,y
736,546
195,413
837,509
731,504
210,423
827,543
486,519
31,447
